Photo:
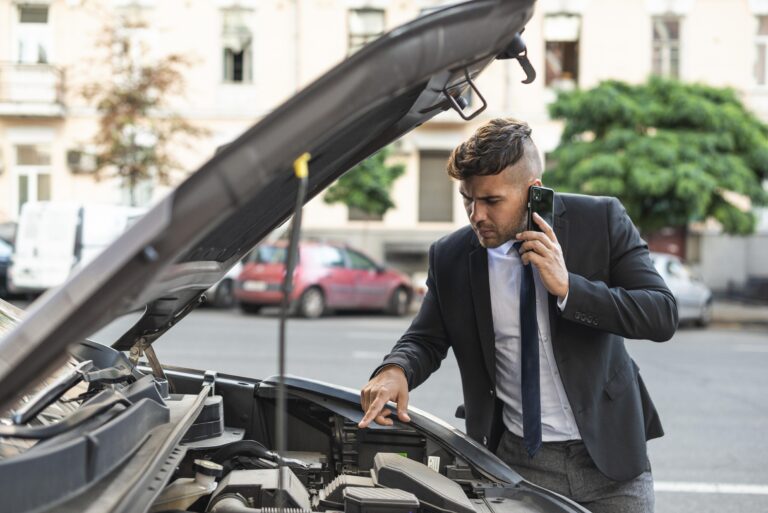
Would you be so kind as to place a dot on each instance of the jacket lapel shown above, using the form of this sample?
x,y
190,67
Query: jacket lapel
x,y
481,299
561,232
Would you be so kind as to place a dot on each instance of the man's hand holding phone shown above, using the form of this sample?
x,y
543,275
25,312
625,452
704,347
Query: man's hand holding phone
x,y
542,249
389,384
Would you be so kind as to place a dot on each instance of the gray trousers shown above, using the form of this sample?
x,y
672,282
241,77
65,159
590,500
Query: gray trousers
x,y
567,468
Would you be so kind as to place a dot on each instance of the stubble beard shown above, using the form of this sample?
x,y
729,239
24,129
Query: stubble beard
x,y
498,238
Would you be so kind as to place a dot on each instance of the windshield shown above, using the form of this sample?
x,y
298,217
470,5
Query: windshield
x,y
268,255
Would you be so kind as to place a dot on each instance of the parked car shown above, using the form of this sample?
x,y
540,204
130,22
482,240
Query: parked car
x,y
328,276
5,258
222,293
53,238
419,280
694,298
90,427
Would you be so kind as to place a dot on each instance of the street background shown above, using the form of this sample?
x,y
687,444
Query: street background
x,y
234,61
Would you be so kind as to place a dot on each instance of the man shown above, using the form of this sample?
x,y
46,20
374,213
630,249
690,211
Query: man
x,y
537,322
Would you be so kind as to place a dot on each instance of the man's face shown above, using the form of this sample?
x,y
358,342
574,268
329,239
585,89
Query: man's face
x,y
497,204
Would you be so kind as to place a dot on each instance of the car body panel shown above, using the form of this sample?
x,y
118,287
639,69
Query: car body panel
x,y
347,278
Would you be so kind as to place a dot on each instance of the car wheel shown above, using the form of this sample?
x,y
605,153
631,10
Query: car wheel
x,y
706,315
399,302
250,308
225,295
312,303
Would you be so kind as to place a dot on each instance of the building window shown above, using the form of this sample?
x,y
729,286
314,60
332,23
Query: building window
x,y
364,25
135,42
561,34
33,171
436,191
761,51
237,40
666,46
33,35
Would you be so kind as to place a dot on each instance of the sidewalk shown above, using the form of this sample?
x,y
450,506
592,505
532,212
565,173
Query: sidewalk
x,y
730,312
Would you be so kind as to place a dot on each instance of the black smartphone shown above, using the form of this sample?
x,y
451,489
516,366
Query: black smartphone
x,y
542,201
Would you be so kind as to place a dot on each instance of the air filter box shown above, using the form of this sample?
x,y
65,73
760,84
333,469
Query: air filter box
x,y
379,500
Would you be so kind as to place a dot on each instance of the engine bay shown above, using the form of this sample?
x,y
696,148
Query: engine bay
x,y
110,436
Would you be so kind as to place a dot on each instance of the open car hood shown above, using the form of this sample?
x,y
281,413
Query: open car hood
x,y
166,261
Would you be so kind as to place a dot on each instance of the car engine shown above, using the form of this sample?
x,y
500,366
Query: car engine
x,y
105,435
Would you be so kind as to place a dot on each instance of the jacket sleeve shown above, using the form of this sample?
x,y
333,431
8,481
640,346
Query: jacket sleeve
x,y
634,302
425,344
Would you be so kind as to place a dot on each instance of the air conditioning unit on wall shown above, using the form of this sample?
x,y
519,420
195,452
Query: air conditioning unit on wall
x,y
80,161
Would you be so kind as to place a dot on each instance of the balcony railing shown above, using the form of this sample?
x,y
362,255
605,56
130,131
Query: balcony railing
x,y
35,90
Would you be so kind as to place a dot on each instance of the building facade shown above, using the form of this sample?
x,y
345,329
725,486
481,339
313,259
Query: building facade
x,y
247,56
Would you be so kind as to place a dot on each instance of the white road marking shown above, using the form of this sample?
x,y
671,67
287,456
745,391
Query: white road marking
x,y
723,488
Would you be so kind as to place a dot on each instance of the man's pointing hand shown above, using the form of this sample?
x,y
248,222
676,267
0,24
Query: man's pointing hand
x,y
388,385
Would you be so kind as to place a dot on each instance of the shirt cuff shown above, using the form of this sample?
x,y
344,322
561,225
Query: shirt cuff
x,y
561,303
388,364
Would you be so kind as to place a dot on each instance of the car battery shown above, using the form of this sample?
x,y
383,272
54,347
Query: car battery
x,y
379,500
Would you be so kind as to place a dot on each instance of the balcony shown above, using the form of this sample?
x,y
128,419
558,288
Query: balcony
x,y
31,90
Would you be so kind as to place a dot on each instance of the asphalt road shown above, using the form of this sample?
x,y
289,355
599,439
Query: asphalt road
x,y
710,387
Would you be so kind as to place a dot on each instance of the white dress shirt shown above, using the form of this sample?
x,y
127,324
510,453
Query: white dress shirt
x,y
505,273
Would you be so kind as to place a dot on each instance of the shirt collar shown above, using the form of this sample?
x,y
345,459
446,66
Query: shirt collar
x,y
504,249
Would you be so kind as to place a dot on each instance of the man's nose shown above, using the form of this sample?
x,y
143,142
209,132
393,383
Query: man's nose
x,y
476,212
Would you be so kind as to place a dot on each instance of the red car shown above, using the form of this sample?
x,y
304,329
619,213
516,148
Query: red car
x,y
327,276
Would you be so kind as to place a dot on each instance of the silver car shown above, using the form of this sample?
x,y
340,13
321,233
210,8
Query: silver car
x,y
694,298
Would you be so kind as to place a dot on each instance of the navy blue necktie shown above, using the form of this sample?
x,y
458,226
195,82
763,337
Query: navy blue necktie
x,y
529,361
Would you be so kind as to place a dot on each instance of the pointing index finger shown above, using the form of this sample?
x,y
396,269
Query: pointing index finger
x,y
374,410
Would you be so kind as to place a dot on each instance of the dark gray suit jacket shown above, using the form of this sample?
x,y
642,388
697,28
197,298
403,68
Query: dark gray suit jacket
x,y
614,292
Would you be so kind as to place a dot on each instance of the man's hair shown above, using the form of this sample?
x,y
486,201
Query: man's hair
x,y
496,145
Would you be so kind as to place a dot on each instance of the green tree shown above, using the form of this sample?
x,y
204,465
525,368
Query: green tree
x,y
672,152
137,128
366,187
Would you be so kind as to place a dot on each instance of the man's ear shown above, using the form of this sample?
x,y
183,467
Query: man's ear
x,y
537,182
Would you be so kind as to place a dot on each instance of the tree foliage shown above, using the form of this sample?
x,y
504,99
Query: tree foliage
x,y
672,152
367,186
136,126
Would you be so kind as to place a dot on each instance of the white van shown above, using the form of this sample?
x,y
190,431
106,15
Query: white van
x,y
53,238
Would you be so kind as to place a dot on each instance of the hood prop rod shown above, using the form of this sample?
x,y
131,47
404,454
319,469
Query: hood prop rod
x,y
461,103
301,170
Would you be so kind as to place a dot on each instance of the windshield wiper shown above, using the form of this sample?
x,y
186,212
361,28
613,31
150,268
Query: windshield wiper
x,y
50,394
109,400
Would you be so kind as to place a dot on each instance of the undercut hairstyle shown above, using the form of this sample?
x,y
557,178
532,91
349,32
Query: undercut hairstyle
x,y
495,146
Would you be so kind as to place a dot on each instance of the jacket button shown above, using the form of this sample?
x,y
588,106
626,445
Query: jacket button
x,y
485,440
